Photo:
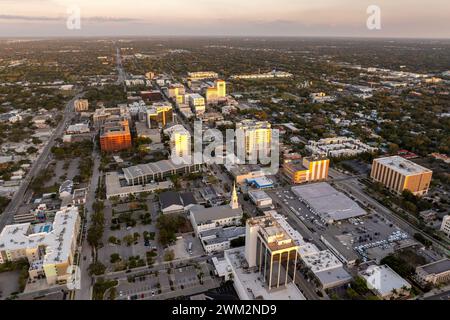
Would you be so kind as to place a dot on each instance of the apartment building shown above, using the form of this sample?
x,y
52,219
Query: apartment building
x,y
445,227
217,92
258,137
398,174
49,247
201,75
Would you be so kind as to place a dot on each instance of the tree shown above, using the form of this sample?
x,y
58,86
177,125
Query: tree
x,y
96,268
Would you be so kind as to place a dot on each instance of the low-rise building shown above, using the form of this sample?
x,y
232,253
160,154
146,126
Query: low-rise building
x,y
116,186
339,147
260,198
385,282
81,105
219,239
434,273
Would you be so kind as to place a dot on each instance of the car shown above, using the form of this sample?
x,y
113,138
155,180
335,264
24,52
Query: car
x,y
146,243
153,293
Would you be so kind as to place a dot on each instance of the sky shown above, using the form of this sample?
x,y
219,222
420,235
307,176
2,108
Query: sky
x,y
398,18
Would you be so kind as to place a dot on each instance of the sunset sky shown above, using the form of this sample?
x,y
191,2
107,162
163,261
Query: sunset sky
x,y
399,18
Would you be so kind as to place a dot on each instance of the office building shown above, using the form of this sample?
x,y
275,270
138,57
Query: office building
x,y
81,105
48,247
398,174
159,115
176,92
257,136
445,227
157,171
434,273
272,250
115,136
217,92
311,169
219,239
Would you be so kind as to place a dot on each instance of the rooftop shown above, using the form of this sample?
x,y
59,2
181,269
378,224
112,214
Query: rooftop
x,y
204,215
57,242
329,203
383,279
402,165
437,267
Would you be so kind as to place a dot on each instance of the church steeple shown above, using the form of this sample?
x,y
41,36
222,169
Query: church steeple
x,y
234,204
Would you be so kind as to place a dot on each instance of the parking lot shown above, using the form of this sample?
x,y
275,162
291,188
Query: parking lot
x,y
373,235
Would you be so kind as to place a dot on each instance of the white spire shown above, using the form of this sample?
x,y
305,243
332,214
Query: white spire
x,y
234,204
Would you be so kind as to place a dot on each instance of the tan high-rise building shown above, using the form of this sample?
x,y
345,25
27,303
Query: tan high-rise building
x,y
81,105
180,142
271,248
115,136
398,174
217,92
258,137
311,169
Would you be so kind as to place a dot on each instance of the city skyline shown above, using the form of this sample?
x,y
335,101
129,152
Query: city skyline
x,y
404,19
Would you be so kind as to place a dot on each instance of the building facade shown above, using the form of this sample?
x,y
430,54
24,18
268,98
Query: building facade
x,y
398,174
159,115
311,169
271,251
445,227
258,137
115,136
81,105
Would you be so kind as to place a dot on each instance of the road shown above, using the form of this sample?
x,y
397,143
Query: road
x,y
86,251
8,215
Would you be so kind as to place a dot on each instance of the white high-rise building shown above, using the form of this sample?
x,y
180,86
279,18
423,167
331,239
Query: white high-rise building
x,y
258,137
180,142
445,228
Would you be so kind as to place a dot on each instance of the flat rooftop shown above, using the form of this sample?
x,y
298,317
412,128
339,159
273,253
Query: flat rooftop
x,y
151,169
402,165
57,240
437,267
251,286
259,195
383,279
327,202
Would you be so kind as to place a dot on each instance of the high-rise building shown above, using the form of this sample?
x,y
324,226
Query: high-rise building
x,y
180,142
271,249
177,92
217,92
445,227
159,114
81,105
311,169
115,136
398,174
258,137
197,102
48,247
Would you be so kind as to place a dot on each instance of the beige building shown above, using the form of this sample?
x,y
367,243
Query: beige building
x,y
81,105
271,250
398,174
49,248
434,273
310,169
217,92
201,75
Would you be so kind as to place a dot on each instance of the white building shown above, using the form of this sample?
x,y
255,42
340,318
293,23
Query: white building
x,y
204,219
258,137
339,147
385,282
445,228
